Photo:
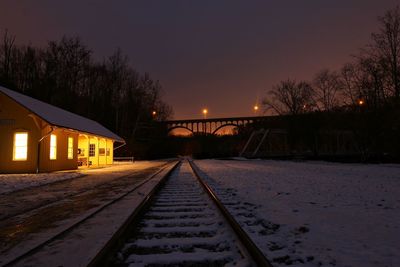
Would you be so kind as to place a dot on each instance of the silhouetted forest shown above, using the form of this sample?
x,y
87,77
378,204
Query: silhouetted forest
x,y
371,80
362,97
65,74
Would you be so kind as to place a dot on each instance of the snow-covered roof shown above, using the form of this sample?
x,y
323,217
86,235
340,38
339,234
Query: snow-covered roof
x,y
59,117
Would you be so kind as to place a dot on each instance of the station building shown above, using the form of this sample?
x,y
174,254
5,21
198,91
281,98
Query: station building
x,y
38,137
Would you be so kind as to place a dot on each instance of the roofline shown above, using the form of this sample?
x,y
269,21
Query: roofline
x,y
24,106
59,126
70,128
84,132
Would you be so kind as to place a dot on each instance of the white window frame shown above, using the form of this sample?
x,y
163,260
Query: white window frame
x,y
20,146
92,148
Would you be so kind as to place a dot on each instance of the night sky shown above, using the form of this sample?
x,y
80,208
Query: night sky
x,y
217,54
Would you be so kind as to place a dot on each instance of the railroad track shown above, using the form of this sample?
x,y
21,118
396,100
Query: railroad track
x,y
173,218
62,197
183,223
24,257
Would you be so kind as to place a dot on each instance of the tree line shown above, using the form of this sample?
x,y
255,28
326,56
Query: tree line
x,y
65,74
362,97
370,80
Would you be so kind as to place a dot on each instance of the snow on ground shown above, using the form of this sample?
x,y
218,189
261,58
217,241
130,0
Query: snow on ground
x,y
14,182
314,213
182,226
78,246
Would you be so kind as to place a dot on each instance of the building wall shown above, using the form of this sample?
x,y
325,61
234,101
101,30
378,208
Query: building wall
x,y
102,145
94,160
15,118
110,148
102,151
83,146
61,162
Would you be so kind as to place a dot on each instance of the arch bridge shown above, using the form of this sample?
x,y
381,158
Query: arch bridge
x,y
212,125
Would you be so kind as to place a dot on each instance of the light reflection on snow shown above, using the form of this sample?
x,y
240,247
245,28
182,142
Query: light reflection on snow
x,y
14,182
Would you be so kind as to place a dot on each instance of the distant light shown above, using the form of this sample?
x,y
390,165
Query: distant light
x,y
154,113
205,112
255,108
361,102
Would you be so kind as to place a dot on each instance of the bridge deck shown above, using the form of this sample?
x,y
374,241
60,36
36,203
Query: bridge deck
x,y
213,125
255,118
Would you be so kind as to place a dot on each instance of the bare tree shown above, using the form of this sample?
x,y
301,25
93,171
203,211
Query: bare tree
x,y
6,52
64,74
349,76
372,82
290,97
327,87
386,47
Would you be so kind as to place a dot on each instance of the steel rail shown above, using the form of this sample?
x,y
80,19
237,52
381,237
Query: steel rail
x,y
74,225
103,256
79,192
253,250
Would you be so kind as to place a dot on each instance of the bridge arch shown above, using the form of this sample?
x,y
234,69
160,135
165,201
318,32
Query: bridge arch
x,y
180,127
224,125
211,125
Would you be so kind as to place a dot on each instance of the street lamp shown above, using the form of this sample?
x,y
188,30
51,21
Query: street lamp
x,y
256,108
205,112
154,113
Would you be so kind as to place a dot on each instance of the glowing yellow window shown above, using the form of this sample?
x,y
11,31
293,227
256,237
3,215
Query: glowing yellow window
x,y
53,146
20,146
70,147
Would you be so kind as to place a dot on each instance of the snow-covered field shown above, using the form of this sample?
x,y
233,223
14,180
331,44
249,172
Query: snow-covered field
x,y
314,213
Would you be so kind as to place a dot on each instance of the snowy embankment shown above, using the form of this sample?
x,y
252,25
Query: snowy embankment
x,y
314,213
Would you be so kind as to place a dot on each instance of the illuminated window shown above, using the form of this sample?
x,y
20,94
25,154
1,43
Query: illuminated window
x,y
70,147
53,146
102,151
92,150
20,146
